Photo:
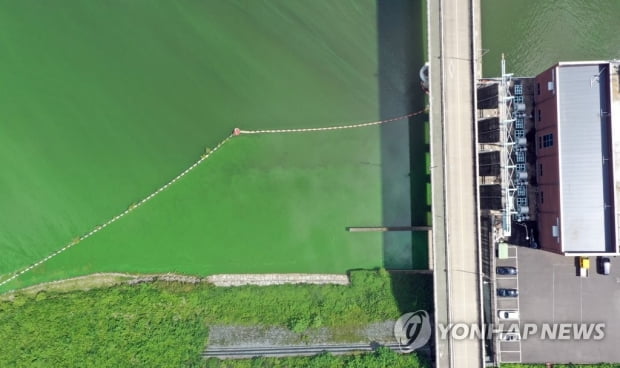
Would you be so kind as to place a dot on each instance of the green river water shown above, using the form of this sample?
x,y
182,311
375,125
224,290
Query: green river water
x,y
103,102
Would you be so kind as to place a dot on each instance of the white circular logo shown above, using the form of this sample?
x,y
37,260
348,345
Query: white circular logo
x,y
412,330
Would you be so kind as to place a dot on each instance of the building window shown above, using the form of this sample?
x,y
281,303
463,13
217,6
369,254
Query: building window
x,y
547,140
540,170
518,89
520,124
542,197
539,142
538,89
539,115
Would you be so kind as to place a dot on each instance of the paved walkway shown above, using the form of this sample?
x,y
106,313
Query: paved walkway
x,y
457,281
277,279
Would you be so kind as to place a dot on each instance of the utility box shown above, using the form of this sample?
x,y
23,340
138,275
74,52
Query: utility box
x,y
502,250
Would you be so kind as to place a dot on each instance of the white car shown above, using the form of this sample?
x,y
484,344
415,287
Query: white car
x,y
604,265
509,336
508,314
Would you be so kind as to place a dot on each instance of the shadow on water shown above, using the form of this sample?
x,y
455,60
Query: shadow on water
x,y
404,148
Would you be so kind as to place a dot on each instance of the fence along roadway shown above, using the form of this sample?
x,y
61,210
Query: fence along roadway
x,y
457,282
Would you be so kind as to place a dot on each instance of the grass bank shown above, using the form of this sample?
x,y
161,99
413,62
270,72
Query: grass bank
x,y
166,324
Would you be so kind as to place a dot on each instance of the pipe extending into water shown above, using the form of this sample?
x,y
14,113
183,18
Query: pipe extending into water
x,y
354,229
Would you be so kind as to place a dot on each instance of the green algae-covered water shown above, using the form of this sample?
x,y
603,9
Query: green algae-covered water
x,y
103,102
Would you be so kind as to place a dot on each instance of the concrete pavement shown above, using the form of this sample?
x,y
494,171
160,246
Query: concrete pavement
x,y
455,216
552,293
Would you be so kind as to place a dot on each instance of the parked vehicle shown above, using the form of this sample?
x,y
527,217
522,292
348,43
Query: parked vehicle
x,y
508,314
507,292
506,270
604,265
584,266
509,336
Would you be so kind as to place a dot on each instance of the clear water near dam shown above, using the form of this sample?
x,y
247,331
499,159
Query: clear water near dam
x,y
537,34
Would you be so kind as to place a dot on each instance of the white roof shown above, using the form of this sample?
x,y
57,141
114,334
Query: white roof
x,y
586,192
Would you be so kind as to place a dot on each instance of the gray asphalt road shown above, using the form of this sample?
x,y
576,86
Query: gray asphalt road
x,y
457,284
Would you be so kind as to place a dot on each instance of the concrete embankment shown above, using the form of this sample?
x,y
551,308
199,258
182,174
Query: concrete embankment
x,y
100,280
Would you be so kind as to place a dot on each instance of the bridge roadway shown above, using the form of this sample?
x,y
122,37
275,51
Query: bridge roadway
x,y
453,34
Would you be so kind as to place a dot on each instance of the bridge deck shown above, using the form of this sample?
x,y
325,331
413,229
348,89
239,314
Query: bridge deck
x,y
452,28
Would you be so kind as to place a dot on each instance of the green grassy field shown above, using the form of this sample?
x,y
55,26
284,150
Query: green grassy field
x,y
103,102
166,324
